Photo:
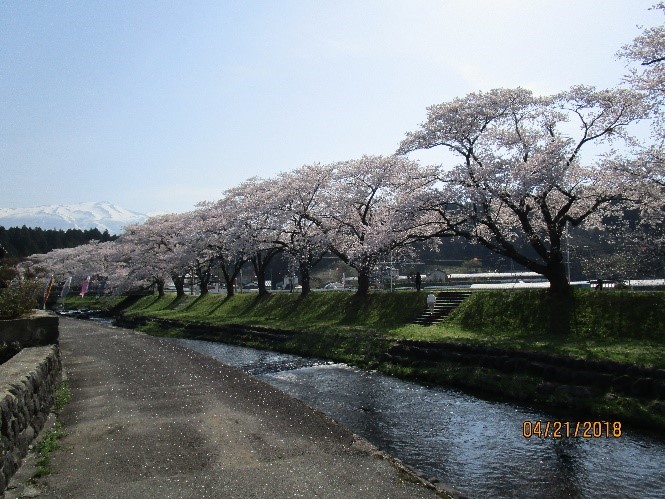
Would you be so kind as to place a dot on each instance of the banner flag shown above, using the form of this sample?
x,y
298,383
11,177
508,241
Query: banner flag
x,y
47,291
84,286
65,288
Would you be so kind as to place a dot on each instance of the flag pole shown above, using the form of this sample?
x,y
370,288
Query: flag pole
x,y
47,292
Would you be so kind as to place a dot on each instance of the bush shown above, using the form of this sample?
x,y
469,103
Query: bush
x,y
19,298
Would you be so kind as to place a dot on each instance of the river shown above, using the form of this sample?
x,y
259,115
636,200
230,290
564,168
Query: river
x,y
473,445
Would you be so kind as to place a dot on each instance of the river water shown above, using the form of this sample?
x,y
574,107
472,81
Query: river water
x,y
473,445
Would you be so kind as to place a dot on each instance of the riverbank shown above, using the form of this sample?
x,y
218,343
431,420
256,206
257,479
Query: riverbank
x,y
610,367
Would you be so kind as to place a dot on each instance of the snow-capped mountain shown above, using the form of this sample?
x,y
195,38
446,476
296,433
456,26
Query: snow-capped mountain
x,y
102,215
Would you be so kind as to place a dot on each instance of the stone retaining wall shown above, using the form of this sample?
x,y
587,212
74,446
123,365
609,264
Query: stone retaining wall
x,y
27,390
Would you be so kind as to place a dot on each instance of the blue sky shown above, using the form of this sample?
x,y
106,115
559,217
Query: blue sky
x,y
156,105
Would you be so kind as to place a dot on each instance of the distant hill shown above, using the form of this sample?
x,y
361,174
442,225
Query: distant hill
x,y
101,215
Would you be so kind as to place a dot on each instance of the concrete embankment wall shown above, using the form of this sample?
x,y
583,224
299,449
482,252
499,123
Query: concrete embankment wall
x,y
27,391
38,328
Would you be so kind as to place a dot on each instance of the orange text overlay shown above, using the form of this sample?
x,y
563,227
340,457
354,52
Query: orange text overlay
x,y
568,429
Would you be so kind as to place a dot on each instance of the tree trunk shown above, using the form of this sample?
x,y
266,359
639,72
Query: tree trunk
x,y
160,287
228,281
556,275
261,280
179,283
363,284
561,298
203,273
304,278
204,279
306,262
260,262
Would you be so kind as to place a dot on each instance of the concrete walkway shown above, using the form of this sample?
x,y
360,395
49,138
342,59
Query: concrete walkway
x,y
149,418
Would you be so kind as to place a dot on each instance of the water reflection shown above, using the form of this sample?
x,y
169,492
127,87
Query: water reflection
x,y
474,445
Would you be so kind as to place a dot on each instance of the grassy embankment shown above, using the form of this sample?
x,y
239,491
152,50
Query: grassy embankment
x,y
618,326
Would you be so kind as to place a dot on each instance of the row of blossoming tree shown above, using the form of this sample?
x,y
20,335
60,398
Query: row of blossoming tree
x,y
520,171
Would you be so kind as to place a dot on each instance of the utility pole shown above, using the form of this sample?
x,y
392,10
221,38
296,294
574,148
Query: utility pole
x,y
568,256
391,271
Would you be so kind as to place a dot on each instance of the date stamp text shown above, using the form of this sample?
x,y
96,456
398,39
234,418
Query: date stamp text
x,y
568,429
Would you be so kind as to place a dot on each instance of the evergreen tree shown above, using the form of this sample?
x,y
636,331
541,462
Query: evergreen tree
x,y
24,241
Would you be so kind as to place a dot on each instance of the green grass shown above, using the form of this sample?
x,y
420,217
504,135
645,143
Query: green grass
x,y
45,447
594,314
62,397
380,311
620,326
643,352
50,441
614,325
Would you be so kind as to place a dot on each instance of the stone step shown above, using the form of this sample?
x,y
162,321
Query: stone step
x,y
446,302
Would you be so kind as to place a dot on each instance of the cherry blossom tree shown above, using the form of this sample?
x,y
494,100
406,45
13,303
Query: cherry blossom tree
x,y
646,58
61,263
190,249
298,195
648,77
100,261
145,256
365,210
648,52
255,224
104,263
158,249
519,178
175,236
161,247
224,239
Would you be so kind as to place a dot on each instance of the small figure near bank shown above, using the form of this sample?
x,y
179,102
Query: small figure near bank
x,y
431,300
419,281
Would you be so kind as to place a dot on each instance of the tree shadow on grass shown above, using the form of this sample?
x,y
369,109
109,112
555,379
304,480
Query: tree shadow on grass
x,y
258,300
175,302
195,302
125,303
356,307
292,306
247,308
220,304
250,306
